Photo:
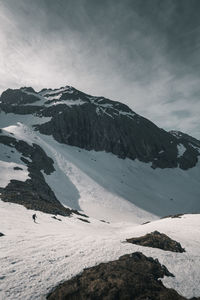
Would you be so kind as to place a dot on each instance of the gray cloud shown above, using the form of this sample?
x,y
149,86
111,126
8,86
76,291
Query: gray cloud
x,y
143,53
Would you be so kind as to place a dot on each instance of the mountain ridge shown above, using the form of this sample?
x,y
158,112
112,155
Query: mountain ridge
x,y
100,124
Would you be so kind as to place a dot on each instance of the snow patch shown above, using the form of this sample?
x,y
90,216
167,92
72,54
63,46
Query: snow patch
x,y
36,257
9,172
181,150
67,102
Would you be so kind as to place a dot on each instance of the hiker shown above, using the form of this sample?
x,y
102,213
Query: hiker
x,y
34,217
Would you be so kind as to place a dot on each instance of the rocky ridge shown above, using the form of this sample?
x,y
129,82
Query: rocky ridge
x,y
34,193
100,124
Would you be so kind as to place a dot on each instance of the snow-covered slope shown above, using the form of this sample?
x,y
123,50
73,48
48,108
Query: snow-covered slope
x,y
36,257
99,183
104,186
118,194
11,167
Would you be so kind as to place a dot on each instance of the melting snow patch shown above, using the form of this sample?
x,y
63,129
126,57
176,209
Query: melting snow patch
x,y
56,97
181,150
68,89
161,151
67,102
10,171
128,114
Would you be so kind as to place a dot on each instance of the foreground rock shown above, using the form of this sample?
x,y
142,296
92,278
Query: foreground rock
x,y
132,276
157,240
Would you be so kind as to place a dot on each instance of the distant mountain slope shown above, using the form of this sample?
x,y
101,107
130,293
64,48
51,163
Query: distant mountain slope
x,y
123,166
97,123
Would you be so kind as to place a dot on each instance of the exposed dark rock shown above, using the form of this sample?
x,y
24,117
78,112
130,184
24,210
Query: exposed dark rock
x,y
132,276
183,137
105,221
81,126
28,89
17,168
54,217
21,109
84,220
17,97
34,193
173,216
115,129
1,234
157,240
147,222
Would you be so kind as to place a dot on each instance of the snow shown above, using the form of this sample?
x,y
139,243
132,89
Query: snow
x,y
10,159
57,91
56,97
176,133
11,119
161,151
37,103
100,110
129,114
67,102
133,190
181,149
36,257
84,180
7,169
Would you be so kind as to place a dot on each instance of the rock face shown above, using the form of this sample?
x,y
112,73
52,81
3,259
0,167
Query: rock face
x,y
97,123
157,240
34,193
133,276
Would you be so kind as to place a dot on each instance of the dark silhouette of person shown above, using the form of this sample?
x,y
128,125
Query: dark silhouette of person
x,y
34,217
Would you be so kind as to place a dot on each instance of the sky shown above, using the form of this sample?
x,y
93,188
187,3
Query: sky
x,y
144,53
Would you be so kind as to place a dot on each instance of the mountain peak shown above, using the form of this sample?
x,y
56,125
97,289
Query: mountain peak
x,y
101,124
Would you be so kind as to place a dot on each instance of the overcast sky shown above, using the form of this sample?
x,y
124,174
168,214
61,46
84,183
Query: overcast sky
x,y
145,53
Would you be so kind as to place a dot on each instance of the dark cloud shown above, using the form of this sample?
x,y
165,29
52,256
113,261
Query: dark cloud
x,y
144,53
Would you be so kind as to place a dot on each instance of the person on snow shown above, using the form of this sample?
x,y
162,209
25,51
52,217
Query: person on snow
x,y
34,217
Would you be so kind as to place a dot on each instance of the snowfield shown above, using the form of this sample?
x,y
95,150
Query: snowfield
x,y
36,257
124,193
84,180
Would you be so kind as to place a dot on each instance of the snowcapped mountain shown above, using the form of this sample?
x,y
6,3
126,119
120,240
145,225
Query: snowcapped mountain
x,y
66,153
120,164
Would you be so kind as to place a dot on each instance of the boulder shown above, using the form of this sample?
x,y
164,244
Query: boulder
x,y
157,240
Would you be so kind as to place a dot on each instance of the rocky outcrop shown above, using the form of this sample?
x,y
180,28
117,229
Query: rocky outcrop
x,y
19,96
183,137
157,240
132,276
34,193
